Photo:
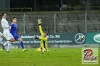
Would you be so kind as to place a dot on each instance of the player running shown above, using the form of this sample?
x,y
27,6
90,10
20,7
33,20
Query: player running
x,y
43,38
1,37
13,31
6,32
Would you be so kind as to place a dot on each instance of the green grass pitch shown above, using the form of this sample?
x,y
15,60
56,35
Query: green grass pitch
x,y
55,57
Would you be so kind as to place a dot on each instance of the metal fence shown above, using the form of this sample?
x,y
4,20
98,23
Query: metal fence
x,y
63,22
12,10
58,21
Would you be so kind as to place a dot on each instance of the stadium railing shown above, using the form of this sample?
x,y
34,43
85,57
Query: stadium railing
x,y
68,8
16,10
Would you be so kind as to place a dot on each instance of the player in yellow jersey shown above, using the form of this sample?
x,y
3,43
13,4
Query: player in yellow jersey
x,y
43,39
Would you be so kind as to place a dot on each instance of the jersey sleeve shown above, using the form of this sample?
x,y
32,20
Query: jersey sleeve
x,y
40,29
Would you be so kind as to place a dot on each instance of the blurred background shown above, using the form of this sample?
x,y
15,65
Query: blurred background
x,y
48,5
60,17
63,15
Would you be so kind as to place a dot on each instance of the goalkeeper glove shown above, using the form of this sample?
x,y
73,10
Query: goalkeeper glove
x,y
39,21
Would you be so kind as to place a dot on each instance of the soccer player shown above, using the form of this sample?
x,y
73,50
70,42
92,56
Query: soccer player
x,y
1,37
13,31
43,39
6,32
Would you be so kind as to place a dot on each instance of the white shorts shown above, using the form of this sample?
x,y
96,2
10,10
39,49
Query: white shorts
x,y
8,36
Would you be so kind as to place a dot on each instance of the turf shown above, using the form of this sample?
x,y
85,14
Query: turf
x,y
55,57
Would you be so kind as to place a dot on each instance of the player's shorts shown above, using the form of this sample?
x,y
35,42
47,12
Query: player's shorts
x,y
16,37
8,36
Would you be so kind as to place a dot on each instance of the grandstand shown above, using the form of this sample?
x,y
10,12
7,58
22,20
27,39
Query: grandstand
x,y
65,22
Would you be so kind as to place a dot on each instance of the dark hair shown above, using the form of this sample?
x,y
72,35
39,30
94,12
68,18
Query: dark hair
x,y
13,17
46,32
3,14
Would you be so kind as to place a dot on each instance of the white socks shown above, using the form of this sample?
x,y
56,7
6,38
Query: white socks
x,y
8,45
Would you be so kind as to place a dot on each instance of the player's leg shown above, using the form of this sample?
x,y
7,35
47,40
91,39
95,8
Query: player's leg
x,y
38,49
0,42
10,39
9,45
22,44
1,38
3,45
42,47
17,38
46,47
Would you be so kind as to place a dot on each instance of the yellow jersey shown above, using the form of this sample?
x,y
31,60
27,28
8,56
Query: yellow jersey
x,y
43,42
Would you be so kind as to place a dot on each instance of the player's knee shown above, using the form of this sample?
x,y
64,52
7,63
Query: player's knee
x,y
11,40
20,39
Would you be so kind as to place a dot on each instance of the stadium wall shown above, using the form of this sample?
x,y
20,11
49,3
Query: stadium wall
x,y
62,40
